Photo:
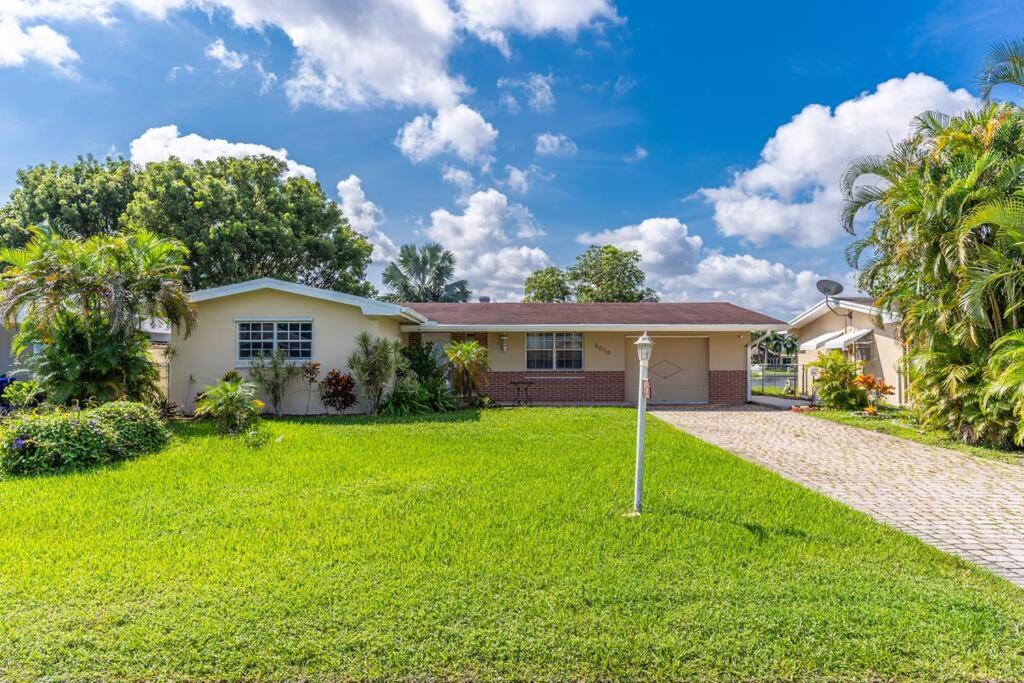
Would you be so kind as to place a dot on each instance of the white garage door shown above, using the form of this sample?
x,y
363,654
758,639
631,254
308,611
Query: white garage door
x,y
678,370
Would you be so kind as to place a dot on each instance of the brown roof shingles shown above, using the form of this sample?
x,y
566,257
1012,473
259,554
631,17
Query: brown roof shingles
x,y
704,313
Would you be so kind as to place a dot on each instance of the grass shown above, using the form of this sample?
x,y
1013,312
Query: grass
x,y
774,391
901,422
484,545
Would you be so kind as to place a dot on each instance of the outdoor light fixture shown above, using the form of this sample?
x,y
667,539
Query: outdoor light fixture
x,y
831,289
504,343
644,347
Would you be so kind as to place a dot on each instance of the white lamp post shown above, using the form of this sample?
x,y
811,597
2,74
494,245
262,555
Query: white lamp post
x,y
644,346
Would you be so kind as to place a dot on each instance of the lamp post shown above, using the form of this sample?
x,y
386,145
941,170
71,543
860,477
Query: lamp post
x,y
644,346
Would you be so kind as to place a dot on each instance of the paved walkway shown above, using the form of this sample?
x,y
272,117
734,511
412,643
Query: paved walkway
x,y
778,402
965,505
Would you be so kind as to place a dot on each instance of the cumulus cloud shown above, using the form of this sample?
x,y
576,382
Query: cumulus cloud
x,y
228,59
520,179
366,218
458,130
793,192
492,20
38,43
537,87
459,177
554,145
481,239
158,144
667,249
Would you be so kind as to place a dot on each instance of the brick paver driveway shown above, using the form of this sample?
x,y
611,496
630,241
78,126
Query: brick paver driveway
x,y
965,505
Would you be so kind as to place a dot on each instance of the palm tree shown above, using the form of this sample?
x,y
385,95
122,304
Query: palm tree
x,y
1003,65
424,274
469,368
126,278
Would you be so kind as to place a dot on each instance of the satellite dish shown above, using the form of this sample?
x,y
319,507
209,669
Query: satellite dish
x,y
829,287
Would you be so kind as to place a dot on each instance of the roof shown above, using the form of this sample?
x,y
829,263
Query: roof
x,y
593,316
861,304
819,341
367,306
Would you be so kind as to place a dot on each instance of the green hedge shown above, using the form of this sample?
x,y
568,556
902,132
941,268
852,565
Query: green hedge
x,y
34,443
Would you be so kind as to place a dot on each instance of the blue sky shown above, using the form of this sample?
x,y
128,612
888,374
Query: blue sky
x,y
516,131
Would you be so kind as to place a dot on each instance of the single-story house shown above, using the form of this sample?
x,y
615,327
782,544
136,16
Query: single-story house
x,y
858,328
568,353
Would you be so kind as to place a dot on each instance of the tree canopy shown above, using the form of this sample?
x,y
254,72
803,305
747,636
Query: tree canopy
x,y
601,274
240,218
424,274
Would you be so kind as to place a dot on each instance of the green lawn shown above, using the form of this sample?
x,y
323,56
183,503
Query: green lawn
x,y
477,546
901,422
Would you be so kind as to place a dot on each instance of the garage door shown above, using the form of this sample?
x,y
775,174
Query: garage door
x,y
678,370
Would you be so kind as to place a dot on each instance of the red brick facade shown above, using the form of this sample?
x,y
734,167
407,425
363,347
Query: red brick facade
x,y
727,386
559,386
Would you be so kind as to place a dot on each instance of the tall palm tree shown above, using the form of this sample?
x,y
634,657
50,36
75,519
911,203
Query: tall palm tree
x,y
424,274
1003,65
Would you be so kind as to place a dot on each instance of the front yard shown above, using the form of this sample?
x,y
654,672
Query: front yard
x,y
475,545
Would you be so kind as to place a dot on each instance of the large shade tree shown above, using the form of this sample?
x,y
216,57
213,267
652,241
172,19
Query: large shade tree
x,y
602,273
426,273
240,218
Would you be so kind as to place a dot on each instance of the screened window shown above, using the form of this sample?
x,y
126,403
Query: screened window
x,y
862,351
554,351
294,338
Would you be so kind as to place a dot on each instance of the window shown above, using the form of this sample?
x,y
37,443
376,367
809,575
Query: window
x,y
294,338
862,351
554,351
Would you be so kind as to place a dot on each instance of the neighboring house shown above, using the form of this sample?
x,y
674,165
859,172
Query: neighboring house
x,y
858,328
571,353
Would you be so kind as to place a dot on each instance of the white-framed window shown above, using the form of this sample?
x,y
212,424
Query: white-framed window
x,y
264,337
554,351
862,350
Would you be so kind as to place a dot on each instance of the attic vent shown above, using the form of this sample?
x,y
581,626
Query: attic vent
x,y
485,299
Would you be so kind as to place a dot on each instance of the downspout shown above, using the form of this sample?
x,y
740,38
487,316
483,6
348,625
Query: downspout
x,y
750,351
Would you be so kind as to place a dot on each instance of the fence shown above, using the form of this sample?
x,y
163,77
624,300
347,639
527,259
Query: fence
x,y
773,379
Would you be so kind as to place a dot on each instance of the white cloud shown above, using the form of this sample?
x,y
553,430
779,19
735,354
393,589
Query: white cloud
x,y
480,239
366,218
667,249
510,103
639,154
747,281
458,130
538,90
268,79
491,20
228,59
458,177
39,43
550,144
520,179
793,192
158,144
175,71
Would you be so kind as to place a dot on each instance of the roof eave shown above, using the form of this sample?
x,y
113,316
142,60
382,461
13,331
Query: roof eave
x,y
590,327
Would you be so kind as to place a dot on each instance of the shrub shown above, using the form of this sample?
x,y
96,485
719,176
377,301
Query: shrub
x,y
835,382
273,373
310,373
438,397
35,443
375,363
258,436
166,409
407,397
423,361
24,394
338,391
876,388
233,404
469,367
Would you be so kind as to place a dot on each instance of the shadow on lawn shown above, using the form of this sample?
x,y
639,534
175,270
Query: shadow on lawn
x,y
760,532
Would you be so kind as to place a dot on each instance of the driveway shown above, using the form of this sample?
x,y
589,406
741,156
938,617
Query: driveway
x,y
965,505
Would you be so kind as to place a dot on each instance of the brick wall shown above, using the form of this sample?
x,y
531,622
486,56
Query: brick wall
x,y
553,386
727,386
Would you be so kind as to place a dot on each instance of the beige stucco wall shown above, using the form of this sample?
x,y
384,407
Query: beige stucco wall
x,y
886,348
606,351
211,350
6,359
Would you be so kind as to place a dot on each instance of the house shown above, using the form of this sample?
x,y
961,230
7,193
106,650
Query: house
x,y
858,328
565,353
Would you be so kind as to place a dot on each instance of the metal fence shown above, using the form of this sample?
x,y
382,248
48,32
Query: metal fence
x,y
774,379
